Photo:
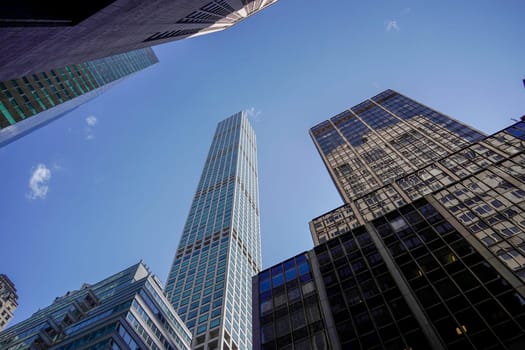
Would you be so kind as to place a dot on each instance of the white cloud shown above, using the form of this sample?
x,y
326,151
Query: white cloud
x,y
38,183
253,114
91,120
391,25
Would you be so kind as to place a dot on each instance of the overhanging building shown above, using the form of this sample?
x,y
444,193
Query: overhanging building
x,y
209,283
37,37
35,100
428,250
125,311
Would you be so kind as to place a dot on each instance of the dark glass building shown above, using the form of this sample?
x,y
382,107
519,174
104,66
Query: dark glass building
x,y
407,280
209,283
428,250
125,311
287,309
37,37
35,100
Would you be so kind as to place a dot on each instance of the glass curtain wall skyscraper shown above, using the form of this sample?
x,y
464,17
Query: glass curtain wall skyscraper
x,y
35,100
127,310
383,138
219,251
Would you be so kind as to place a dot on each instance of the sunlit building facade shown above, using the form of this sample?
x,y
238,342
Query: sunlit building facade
x,y
209,283
478,181
383,138
35,100
38,37
125,311
8,300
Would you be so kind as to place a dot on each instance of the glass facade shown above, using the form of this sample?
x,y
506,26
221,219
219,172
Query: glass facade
x,y
125,311
35,100
428,251
481,186
289,312
380,140
406,280
367,306
219,251
469,304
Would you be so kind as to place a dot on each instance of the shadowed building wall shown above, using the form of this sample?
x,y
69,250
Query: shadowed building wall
x,y
38,37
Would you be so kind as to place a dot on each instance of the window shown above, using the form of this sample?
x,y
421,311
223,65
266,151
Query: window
x,y
127,338
267,333
201,329
308,288
282,326
214,323
279,300
312,311
290,273
398,224
266,305
277,277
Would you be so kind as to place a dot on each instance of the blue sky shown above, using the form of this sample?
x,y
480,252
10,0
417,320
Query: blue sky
x,y
112,182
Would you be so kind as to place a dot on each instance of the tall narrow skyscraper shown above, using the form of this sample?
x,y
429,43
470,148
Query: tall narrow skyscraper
x,y
210,280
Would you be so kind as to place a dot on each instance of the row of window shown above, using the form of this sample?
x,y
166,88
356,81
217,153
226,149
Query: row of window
x,y
365,302
452,282
290,313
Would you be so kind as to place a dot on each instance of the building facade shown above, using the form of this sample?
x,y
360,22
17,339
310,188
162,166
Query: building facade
x,y
428,250
8,300
40,37
287,310
35,100
209,283
476,181
462,298
406,280
383,138
125,311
